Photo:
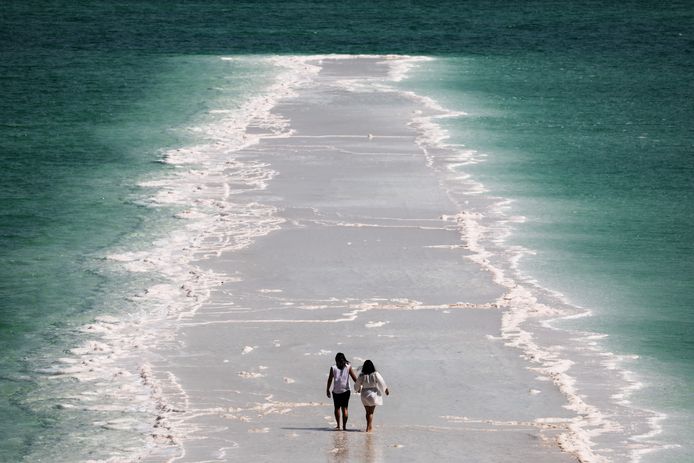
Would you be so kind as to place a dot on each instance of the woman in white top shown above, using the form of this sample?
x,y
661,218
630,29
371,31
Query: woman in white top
x,y
340,373
372,387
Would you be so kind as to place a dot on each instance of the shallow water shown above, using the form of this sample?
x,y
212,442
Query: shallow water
x,y
597,159
582,112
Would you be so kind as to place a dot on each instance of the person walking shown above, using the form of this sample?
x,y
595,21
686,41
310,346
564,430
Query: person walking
x,y
372,387
340,374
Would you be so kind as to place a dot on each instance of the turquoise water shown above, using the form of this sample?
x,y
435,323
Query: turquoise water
x,y
584,111
611,175
74,150
599,162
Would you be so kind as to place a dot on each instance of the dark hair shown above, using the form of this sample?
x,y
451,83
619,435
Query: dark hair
x,y
367,368
340,360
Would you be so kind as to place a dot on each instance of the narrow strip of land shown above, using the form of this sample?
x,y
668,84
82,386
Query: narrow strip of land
x,y
365,262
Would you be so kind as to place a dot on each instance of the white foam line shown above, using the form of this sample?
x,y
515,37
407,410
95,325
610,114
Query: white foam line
x,y
402,137
494,227
539,423
264,321
350,316
201,185
371,225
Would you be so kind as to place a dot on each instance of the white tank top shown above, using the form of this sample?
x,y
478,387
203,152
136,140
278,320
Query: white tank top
x,y
341,379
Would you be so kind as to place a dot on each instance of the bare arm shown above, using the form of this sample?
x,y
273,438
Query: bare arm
x,y
357,385
330,381
382,384
352,375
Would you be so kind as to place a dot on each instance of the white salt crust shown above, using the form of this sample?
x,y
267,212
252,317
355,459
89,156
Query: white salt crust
x,y
202,190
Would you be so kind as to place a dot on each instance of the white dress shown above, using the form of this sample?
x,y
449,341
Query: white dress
x,y
372,388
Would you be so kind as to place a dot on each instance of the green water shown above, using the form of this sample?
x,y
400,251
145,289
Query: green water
x,y
73,157
583,109
609,163
598,158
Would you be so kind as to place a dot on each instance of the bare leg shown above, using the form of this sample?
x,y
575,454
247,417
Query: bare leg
x,y
369,417
337,417
345,416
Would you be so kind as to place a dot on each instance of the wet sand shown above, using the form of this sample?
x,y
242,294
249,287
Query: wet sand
x,y
368,259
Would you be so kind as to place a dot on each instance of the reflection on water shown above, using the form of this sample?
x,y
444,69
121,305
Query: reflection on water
x,y
372,449
340,450
364,447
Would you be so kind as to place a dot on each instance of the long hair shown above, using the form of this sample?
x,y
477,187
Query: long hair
x,y
341,360
367,368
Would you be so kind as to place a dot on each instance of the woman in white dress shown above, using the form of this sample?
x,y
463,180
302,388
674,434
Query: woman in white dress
x,y
372,387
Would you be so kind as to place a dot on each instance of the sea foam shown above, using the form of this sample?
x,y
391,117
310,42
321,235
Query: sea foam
x,y
605,418
201,191
114,365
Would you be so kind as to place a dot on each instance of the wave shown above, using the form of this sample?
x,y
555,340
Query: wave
x,y
597,384
116,366
110,379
